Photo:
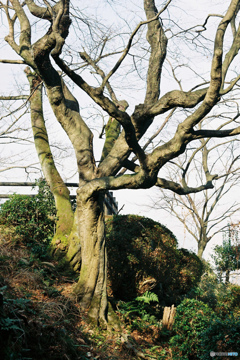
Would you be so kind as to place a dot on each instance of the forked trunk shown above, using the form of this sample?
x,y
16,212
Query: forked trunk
x,y
91,289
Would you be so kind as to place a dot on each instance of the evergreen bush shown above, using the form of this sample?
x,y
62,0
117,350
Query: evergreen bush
x,y
192,318
143,256
221,336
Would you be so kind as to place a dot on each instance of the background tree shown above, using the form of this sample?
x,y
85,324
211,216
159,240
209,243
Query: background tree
x,y
16,140
226,256
204,215
14,130
39,34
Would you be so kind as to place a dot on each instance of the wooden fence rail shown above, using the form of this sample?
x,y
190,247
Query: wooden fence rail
x,y
110,203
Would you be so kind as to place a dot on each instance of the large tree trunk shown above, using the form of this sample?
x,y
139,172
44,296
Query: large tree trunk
x,y
87,251
73,253
91,289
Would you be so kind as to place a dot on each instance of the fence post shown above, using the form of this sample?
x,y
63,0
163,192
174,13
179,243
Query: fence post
x,y
168,317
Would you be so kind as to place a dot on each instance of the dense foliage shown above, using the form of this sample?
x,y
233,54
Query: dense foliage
x,y
226,259
33,217
143,256
220,336
223,298
140,313
146,272
208,320
192,318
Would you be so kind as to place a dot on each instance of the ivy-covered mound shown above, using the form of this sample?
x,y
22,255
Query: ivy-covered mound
x,y
143,255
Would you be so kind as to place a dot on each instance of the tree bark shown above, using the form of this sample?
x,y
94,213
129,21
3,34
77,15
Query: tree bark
x,y
203,239
59,190
91,288
201,246
227,278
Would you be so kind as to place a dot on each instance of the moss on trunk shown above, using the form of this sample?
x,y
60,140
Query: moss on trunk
x,y
58,188
89,237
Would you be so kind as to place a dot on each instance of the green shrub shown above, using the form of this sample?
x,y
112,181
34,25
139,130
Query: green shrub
x,y
208,289
220,336
140,313
143,256
12,329
224,299
192,318
235,298
228,301
29,331
32,217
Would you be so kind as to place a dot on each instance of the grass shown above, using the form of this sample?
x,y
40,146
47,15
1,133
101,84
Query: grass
x,y
40,320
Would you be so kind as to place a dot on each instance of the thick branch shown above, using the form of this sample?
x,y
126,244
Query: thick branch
x,y
126,50
158,43
10,37
213,92
107,105
231,53
180,190
41,12
63,103
184,133
112,131
25,35
199,134
16,62
139,180
177,98
58,187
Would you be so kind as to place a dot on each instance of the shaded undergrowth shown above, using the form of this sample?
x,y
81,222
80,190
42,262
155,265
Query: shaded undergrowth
x,y
40,320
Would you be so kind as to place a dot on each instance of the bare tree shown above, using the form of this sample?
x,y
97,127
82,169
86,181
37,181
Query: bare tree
x,y
14,131
15,113
83,238
204,214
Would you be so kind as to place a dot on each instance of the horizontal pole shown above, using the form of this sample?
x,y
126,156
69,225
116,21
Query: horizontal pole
x,y
31,184
7,196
